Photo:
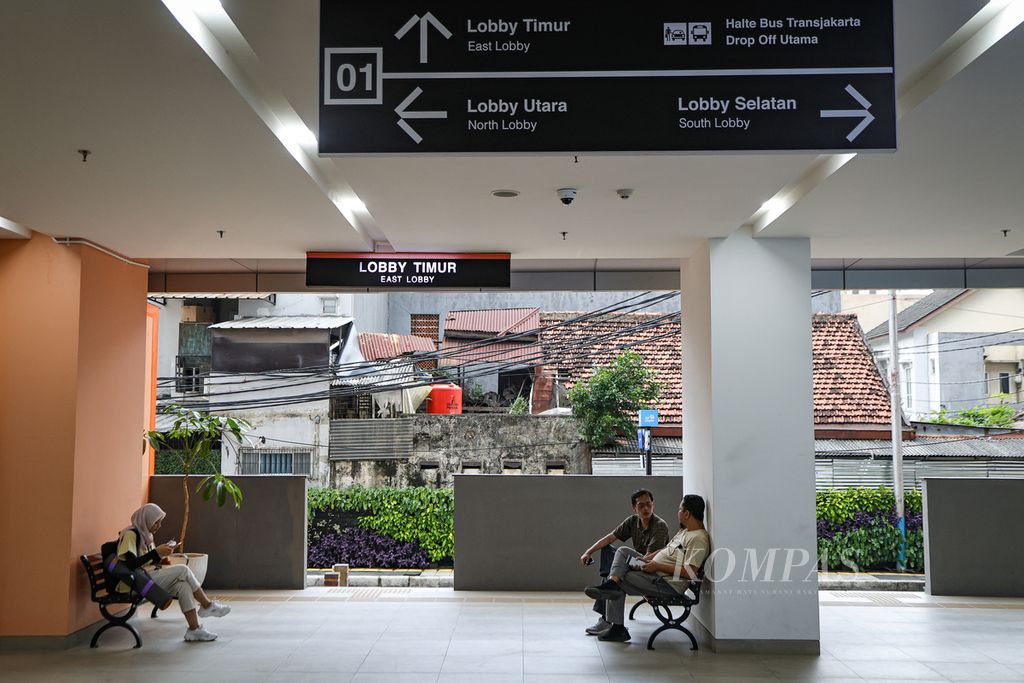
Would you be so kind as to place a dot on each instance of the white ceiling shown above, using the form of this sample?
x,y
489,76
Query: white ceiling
x,y
179,153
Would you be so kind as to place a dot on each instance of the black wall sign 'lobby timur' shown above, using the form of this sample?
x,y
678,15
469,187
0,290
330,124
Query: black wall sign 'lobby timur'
x,y
453,77
407,271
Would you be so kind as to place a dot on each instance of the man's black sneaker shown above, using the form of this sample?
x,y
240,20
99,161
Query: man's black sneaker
x,y
608,590
616,634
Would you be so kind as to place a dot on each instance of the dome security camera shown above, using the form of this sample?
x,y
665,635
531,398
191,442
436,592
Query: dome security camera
x,y
624,193
567,195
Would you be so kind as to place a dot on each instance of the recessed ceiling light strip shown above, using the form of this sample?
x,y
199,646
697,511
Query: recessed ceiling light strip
x,y
215,33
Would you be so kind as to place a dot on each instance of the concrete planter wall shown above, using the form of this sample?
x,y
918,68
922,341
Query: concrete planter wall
x,y
527,533
972,532
261,545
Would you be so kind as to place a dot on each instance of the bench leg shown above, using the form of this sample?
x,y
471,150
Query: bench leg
x,y
668,623
115,624
633,611
113,620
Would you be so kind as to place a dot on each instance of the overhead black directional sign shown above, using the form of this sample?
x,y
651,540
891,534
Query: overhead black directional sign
x,y
459,77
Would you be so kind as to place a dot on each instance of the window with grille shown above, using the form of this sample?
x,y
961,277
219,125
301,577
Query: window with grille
x,y
278,461
190,373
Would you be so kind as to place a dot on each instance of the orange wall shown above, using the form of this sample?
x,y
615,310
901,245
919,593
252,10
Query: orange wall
x,y
111,467
72,360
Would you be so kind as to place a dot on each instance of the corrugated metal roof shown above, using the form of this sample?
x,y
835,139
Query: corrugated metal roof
x,y
969,448
923,448
211,295
377,345
286,322
383,374
499,352
659,444
493,321
840,474
664,466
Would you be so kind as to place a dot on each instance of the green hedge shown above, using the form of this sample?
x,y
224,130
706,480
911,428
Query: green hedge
x,y
857,528
169,462
421,514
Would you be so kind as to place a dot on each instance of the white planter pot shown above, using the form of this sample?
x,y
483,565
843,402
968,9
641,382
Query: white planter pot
x,y
197,562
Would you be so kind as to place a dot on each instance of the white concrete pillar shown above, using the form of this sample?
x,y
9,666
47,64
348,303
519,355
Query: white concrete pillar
x,y
748,438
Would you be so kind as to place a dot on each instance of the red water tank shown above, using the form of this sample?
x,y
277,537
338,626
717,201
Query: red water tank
x,y
445,399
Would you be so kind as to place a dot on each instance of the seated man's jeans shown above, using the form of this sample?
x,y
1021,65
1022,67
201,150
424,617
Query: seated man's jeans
x,y
632,583
607,555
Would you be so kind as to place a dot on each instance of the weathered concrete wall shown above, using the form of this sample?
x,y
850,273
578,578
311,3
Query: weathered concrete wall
x,y
972,529
303,425
260,545
527,533
401,304
444,445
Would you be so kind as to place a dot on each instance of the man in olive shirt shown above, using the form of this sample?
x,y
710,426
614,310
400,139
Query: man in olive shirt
x,y
668,573
645,530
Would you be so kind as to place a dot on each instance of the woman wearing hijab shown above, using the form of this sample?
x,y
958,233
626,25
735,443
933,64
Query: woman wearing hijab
x,y
135,547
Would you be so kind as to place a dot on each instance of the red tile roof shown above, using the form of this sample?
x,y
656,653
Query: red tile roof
x,y
376,346
498,352
580,346
848,388
494,321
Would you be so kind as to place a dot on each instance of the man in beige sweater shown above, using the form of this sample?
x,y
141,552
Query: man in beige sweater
x,y
668,573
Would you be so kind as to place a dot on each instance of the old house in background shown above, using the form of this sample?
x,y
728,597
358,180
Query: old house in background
x,y
959,348
276,372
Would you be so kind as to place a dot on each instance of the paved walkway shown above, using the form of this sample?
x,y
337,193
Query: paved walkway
x,y
404,635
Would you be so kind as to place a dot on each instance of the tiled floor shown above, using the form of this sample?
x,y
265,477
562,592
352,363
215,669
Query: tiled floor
x,y
404,635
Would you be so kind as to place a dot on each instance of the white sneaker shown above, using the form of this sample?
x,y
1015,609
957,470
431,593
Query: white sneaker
x,y
199,635
216,609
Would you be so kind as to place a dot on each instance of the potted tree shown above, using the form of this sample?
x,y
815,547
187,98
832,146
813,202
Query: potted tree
x,y
193,436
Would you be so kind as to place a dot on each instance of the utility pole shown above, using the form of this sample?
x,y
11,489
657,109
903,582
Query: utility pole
x,y
897,432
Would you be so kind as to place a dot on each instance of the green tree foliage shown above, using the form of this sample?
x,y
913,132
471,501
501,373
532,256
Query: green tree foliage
x,y
1001,416
172,462
422,514
519,406
195,438
606,405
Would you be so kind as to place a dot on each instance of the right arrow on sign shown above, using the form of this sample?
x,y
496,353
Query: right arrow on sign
x,y
403,115
425,22
865,116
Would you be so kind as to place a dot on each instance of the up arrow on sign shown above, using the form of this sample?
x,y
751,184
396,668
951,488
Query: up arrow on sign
x,y
423,21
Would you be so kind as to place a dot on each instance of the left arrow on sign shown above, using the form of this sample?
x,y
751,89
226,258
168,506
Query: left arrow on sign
x,y
403,115
425,21
865,116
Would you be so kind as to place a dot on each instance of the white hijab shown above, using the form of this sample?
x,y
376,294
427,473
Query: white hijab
x,y
143,520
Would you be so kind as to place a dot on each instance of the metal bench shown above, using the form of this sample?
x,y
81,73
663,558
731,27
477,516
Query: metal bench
x,y
106,595
663,605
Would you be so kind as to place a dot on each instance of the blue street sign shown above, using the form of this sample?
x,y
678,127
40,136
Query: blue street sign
x,y
640,438
648,418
